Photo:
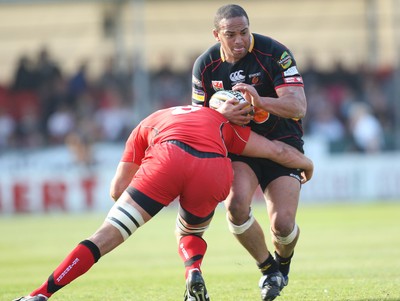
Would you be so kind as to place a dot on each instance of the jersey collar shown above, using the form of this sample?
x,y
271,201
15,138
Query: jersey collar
x,y
250,48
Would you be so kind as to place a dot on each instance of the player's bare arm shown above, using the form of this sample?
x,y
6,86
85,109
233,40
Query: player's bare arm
x,y
123,176
235,112
280,152
291,101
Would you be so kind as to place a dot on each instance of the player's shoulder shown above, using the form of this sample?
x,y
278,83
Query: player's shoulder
x,y
210,55
269,44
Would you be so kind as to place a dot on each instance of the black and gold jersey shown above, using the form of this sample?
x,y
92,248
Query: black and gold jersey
x,y
267,66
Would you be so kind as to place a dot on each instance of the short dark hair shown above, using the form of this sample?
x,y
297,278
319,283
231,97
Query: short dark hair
x,y
229,11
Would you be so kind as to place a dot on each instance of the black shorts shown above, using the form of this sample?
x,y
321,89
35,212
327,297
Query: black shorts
x,y
266,170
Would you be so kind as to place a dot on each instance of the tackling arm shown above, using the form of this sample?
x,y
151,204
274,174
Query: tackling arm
x,y
123,176
279,152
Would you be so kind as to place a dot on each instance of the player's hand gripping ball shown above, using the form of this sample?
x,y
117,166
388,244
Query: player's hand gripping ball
x,y
219,97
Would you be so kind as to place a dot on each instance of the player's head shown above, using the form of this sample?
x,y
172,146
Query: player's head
x,y
231,29
229,11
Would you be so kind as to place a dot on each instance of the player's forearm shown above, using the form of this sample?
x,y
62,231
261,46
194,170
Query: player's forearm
x,y
279,152
287,106
290,157
122,178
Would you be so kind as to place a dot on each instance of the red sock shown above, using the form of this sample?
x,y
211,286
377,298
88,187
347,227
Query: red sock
x,y
78,262
192,249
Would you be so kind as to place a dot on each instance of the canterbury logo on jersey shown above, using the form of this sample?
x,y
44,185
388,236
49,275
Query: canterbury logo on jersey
x,y
237,76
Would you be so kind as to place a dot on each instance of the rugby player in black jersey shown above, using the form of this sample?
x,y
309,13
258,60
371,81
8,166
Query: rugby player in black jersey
x,y
266,72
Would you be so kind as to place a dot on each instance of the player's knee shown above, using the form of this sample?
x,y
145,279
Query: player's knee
x,y
288,239
238,210
283,222
239,229
125,218
183,229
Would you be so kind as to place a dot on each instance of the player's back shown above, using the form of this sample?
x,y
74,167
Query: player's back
x,y
200,127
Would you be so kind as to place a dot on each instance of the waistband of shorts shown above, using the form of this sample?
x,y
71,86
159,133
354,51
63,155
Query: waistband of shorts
x,y
194,152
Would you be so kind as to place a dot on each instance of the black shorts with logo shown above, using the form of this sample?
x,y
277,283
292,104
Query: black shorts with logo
x,y
267,170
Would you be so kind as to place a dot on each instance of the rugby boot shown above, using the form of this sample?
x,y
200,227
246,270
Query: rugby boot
x,y
195,287
32,298
271,286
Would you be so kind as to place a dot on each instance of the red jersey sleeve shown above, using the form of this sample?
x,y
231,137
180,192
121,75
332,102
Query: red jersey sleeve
x,y
135,146
236,137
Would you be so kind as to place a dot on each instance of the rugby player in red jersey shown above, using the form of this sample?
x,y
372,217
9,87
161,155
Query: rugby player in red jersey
x,y
175,152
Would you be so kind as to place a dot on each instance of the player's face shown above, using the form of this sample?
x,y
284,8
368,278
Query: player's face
x,y
234,36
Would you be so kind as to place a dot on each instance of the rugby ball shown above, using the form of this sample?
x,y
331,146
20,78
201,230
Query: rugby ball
x,y
219,97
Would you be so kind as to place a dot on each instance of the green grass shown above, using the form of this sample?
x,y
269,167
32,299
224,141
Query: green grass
x,y
346,252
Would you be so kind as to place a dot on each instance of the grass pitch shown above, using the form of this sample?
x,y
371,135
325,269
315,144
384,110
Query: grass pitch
x,y
346,252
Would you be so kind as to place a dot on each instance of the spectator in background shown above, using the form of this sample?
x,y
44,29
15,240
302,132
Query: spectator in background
x,y
113,117
366,130
24,77
7,129
78,83
60,124
110,77
326,125
29,131
81,148
47,70
170,86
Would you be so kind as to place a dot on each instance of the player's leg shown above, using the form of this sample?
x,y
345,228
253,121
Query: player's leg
x,y
249,232
192,248
122,220
207,184
241,222
282,196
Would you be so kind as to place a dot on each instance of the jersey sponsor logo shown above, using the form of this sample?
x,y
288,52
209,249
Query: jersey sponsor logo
x,y
258,74
237,76
291,71
217,85
285,60
295,176
260,115
293,80
198,91
196,81
197,94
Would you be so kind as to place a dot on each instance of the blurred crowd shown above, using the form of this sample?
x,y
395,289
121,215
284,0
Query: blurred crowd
x,y
353,111
43,106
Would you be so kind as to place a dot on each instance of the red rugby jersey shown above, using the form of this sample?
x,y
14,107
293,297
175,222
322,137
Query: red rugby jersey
x,y
202,128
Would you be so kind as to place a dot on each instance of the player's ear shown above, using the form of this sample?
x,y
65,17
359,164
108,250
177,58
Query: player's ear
x,y
216,35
